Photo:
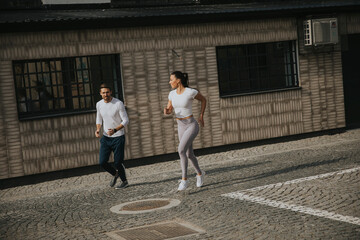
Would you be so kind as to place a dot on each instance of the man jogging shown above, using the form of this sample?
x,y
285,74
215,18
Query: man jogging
x,y
111,113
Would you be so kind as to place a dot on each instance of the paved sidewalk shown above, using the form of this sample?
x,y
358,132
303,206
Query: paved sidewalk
x,y
301,189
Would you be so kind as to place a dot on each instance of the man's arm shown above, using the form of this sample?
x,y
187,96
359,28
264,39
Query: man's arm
x,y
124,118
98,121
97,132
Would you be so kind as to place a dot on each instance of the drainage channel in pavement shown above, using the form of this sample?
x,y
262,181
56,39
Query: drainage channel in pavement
x,y
159,231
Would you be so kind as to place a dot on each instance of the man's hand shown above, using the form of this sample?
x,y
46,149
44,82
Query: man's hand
x,y
97,133
110,131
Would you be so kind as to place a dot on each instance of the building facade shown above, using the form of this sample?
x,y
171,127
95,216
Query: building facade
x,y
37,137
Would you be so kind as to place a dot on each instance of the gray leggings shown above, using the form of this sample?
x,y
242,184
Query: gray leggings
x,y
187,130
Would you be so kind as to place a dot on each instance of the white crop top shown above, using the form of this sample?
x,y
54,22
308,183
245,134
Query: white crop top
x,y
183,103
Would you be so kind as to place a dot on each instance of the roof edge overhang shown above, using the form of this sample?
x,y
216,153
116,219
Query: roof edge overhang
x,y
49,21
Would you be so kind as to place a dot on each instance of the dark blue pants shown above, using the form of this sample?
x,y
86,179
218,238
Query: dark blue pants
x,y
116,145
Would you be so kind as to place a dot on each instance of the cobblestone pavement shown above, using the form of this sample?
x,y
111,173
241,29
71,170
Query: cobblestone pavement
x,y
301,189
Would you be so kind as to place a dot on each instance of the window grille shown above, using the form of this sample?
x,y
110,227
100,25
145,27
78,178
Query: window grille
x,y
51,87
252,68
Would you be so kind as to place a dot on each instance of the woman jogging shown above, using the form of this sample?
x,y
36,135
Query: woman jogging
x,y
181,100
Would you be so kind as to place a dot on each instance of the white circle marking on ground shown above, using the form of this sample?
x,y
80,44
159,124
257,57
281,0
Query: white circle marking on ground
x,y
118,208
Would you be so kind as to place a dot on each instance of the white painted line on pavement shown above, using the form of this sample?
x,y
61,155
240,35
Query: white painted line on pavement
x,y
304,179
296,208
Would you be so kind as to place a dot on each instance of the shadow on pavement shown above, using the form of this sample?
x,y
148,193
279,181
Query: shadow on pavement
x,y
266,174
43,177
222,170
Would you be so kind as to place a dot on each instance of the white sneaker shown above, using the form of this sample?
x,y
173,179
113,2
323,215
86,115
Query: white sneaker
x,y
183,185
200,179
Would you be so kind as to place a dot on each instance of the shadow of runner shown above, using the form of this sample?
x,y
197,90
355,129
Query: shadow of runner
x,y
212,171
267,174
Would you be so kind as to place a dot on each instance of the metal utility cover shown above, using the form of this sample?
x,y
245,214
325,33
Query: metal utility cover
x,y
145,206
159,231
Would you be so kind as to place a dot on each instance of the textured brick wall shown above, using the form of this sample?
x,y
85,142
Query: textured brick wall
x,y
58,143
253,117
75,43
352,25
29,147
11,162
322,94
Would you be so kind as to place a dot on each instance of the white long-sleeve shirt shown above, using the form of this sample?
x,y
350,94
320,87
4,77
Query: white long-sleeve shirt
x,y
111,115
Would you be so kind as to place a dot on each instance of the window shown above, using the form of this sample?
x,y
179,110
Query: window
x,y
254,68
51,87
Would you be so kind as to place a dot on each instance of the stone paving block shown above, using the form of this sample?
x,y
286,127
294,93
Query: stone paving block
x,y
79,207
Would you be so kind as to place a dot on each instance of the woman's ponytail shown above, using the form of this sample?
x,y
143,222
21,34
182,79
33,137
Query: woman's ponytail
x,y
184,78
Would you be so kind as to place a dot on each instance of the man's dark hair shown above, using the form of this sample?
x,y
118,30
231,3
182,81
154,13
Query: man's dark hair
x,y
104,85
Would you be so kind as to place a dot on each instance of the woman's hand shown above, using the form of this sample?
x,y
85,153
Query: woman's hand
x,y
201,120
167,111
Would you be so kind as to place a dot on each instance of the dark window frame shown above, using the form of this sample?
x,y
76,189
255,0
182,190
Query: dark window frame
x,y
257,68
70,84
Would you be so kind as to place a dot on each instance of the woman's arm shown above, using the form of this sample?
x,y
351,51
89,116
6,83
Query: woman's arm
x,y
168,109
202,99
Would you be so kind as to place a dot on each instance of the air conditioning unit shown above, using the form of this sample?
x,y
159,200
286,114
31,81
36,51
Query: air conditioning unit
x,y
320,31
